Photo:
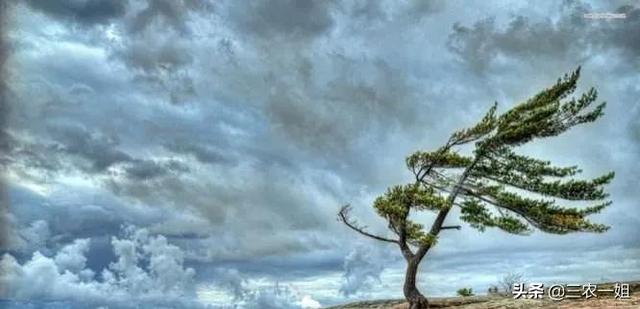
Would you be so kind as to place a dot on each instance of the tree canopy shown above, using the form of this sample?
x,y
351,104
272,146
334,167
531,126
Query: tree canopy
x,y
494,186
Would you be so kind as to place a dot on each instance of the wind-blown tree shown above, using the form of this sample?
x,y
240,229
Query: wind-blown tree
x,y
493,185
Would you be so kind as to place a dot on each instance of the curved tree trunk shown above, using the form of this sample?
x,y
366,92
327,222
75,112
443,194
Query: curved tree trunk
x,y
414,297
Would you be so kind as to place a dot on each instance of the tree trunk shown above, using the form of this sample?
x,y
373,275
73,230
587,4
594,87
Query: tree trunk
x,y
414,297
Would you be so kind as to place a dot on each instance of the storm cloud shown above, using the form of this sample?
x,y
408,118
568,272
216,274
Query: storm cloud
x,y
568,36
230,134
86,12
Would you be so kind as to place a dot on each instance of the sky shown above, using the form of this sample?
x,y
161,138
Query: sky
x,y
194,153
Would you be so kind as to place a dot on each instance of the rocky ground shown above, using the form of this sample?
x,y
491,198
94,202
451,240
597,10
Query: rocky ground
x,y
502,302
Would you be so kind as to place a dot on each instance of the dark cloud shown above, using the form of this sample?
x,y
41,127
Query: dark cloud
x,y
372,20
4,215
85,12
571,36
291,19
75,148
154,56
4,97
622,35
202,153
174,14
148,169
70,215
354,107
157,45
367,10
480,44
99,151
421,9
282,112
161,62
5,227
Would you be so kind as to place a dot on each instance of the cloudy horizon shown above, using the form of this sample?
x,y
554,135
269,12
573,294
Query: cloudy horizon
x,y
195,153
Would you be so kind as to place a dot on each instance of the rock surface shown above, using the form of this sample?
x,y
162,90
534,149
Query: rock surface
x,y
502,302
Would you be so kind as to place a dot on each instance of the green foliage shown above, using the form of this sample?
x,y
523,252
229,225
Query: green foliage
x,y
443,158
417,236
545,115
478,216
530,174
496,187
547,216
465,292
398,200
482,128
500,174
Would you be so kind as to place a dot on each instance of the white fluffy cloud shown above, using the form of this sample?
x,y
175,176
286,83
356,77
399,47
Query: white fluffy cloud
x,y
310,303
230,286
362,269
278,297
148,270
28,238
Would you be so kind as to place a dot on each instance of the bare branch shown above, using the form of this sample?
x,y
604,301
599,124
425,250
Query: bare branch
x,y
343,216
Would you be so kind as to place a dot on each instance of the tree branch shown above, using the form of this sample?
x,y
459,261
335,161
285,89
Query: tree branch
x,y
498,207
402,241
442,214
428,169
451,227
343,216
